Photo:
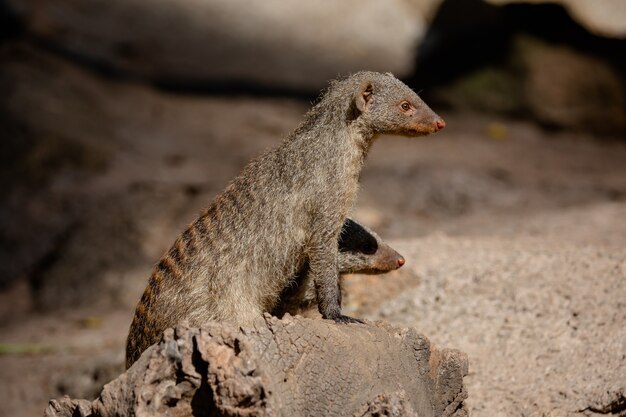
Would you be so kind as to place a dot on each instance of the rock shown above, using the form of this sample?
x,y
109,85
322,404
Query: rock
x,y
289,367
605,18
571,89
491,89
273,44
556,85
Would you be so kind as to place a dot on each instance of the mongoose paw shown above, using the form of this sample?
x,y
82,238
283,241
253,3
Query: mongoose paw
x,y
347,319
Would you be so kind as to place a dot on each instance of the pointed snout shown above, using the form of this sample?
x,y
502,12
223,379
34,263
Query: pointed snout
x,y
436,125
400,261
426,125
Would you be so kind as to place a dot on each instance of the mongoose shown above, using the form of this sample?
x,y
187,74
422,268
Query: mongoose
x,y
285,209
361,250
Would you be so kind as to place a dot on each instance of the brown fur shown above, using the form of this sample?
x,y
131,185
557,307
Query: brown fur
x,y
360,251
284,210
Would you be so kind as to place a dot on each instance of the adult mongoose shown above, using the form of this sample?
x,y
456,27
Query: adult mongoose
x,y
285,209
361,250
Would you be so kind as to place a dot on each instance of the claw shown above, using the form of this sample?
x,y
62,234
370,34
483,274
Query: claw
x,y
347,319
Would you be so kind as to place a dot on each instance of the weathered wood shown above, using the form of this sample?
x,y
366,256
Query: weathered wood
x,y
289,367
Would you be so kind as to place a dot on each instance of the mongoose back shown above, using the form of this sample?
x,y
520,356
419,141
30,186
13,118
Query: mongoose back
x,y
286,208
361,250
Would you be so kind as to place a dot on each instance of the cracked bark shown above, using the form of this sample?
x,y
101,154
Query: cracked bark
x,y
289,367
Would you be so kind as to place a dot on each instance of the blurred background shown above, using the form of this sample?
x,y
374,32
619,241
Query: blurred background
x,y
121,119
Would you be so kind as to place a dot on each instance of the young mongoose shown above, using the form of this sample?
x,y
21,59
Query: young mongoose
x,y
361,250
286,208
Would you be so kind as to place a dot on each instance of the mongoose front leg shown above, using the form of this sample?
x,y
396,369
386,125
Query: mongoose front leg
x,y
325,275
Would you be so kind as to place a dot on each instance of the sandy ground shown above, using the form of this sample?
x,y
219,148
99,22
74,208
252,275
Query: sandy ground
x,y
515,238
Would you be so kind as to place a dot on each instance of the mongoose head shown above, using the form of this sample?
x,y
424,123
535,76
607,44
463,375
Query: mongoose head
x,y
388,106
362,250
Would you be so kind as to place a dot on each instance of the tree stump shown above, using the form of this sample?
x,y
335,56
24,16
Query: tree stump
x,y
290,367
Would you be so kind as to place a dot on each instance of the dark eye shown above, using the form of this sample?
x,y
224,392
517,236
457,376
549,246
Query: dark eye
x,y
369,248
405,106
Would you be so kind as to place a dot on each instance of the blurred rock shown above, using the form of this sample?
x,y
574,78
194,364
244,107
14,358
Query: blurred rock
x,y
571,89
98,178
273,44
86,379
426,8
605,18
490,89
557,85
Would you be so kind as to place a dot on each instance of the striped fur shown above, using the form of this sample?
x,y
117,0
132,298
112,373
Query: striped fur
x,y
284,211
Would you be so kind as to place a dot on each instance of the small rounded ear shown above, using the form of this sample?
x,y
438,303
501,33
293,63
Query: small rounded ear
x,y
364,95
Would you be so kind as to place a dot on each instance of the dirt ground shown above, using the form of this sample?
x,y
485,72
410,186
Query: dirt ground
x,y
515,237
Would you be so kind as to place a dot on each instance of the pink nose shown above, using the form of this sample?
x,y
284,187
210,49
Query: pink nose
x,y
400,261
440,124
